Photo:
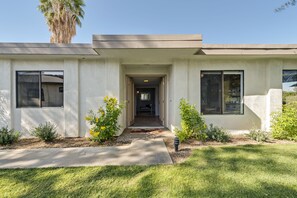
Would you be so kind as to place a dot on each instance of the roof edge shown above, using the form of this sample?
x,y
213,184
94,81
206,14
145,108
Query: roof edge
x,y
45,45
249,46
148,37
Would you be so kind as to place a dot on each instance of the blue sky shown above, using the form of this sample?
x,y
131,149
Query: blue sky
x,y
228,21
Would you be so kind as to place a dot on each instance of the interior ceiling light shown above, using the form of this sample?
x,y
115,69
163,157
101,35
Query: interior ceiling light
x,y
146,81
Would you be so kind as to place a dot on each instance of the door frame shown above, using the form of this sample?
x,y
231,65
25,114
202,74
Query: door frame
x,y
130,102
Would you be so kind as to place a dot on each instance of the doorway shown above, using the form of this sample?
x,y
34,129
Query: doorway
x,y
145,101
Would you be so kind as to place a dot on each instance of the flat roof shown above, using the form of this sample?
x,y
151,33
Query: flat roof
x,y
169,41
248,49
46,49
173,45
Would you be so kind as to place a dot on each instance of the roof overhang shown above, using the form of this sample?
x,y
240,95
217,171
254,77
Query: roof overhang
x,y
127,45
46,49
248,49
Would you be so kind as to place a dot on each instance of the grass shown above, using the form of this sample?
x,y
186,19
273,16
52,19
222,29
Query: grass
x,y
237,171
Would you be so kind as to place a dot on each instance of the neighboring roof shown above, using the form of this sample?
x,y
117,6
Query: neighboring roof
x,y
248,49
180,41
45,49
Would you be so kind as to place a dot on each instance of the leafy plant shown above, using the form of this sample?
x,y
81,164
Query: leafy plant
x,y
215,133
284,123
46,132
192,123
105,121
8,136
258,135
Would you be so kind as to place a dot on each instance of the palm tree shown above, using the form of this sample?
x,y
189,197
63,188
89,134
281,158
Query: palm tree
x,y
62,16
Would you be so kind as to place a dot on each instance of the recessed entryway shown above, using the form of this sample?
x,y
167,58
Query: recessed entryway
x,y
145,101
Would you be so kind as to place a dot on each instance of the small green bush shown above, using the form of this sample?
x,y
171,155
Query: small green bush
x,y
258,135
105,123
192,123
215,133
46,132
8,136
284,123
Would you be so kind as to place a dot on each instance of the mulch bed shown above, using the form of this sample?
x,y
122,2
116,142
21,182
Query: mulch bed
x,y
185,148
33,143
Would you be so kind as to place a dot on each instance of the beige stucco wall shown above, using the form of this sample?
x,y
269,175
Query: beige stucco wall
x,y
262,90
24,119
86,82
98,78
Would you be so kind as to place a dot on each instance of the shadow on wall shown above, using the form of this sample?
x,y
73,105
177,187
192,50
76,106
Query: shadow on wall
x,y
91,103
28,118
250,119
254,121
255,108
4,112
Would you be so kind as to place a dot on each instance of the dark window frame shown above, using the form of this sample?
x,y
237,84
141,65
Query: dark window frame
x,y
40,87
287,70
222,92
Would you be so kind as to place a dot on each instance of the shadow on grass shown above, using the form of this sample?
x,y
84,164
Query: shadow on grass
x,y
241,171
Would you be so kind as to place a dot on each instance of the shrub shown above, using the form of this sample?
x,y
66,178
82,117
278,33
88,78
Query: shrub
x,y
46,132
258,135
105,122
215,133
284,123
8,136
192,123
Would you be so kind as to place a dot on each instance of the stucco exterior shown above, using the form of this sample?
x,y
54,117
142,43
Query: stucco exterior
x,y
92,72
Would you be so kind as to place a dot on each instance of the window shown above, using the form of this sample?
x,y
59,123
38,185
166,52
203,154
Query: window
x,y
40,88
289,86
221,92
145,96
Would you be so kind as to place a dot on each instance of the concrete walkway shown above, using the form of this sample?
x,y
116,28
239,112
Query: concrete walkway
x,y
140,152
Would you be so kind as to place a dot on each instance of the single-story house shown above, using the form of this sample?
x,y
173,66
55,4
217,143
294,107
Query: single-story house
x,y
236,87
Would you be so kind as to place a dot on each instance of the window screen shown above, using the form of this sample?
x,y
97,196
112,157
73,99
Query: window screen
x,y
40,88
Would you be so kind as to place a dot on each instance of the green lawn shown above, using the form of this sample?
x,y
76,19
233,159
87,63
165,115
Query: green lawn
x,y
237,171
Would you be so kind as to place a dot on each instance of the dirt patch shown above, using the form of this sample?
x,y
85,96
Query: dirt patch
x,y
33,143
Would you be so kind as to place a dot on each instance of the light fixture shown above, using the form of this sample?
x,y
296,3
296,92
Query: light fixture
x,y
146,81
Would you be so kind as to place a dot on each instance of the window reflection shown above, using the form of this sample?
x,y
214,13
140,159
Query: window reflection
x,y
232,93
52,89
289,86
40,88
28,89
211,92
221,92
